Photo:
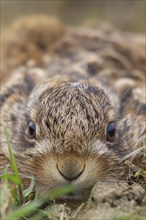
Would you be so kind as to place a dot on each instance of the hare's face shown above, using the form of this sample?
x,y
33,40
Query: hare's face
x,y
69,133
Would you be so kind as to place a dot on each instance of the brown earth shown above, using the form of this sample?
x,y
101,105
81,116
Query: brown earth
x,y
114,201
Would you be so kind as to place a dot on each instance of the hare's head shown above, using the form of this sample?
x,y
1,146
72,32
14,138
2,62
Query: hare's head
x,y
68,135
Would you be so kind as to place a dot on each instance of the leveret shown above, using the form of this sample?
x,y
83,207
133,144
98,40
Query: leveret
x,y
74,104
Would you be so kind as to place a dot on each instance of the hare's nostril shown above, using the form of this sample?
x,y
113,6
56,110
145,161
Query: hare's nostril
x,y
70,168
70,177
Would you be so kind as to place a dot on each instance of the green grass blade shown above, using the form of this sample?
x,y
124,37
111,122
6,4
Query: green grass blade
x,y
42,214
23,211
14,166
11,154
27,191
2,176
15,196
56,193
12,178
49,215
6,168
33,207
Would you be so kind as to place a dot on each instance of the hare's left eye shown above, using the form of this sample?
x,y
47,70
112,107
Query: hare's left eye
x,y
111,131
32,129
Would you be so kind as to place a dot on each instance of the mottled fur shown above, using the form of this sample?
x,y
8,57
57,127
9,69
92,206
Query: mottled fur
x,y
89,77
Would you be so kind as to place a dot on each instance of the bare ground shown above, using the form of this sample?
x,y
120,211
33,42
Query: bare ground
x,y
116,201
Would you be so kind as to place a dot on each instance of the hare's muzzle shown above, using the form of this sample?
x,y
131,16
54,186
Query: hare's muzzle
x,y
70,167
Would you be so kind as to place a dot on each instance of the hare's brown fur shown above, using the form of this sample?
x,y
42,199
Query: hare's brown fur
x,y
71,83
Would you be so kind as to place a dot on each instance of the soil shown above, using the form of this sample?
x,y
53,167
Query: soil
x,y
114,201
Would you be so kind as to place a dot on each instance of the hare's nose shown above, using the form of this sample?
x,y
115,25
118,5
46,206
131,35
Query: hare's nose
x,y
70,167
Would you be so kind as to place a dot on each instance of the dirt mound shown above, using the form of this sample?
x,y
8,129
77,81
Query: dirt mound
x,y
118,201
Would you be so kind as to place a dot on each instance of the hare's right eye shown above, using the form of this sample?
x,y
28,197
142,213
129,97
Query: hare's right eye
x,y
111,131
32,129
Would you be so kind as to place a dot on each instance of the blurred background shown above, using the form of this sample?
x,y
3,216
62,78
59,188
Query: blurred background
x,y
126,14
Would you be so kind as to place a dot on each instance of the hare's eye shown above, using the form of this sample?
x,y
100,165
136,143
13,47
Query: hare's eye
x,y
111,131
32,130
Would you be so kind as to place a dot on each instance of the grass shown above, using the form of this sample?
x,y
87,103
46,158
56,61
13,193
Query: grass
x,y
137,172
16,202
131,216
